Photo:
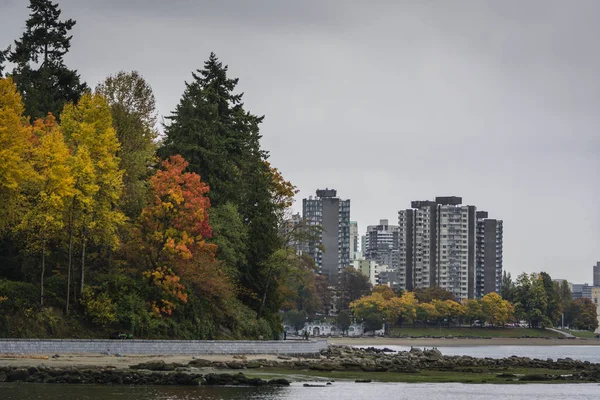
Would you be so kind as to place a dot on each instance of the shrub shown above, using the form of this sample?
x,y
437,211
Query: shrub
x,y
98,306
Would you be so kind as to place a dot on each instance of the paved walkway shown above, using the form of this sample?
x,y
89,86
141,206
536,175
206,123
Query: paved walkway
x,y
567,335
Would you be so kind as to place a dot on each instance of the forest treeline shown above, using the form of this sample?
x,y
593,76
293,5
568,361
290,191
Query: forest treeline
x,y
107,225
534,299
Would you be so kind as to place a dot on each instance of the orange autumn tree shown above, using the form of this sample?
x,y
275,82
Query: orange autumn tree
x,y
172,231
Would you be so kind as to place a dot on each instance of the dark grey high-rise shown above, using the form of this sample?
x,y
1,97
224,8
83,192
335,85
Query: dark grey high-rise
x,y
597,274
489,255
333,215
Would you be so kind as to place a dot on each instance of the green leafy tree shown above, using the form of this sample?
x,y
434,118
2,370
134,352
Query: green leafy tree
x,y
40,72
343,320
554,308
532,300
565,295
373,322
353,285
473,310
426,312
133,110
230,234
99,307
581,314
508,291
296,319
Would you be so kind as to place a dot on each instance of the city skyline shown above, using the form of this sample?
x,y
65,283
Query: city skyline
x,y
493,101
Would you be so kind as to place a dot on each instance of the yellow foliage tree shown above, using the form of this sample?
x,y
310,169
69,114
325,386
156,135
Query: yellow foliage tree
x,y
455,309
374,303
496,310
14,152
94,212
408,306
426,312
386,291
48,193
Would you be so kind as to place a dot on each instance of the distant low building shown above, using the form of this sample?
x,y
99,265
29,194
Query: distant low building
x,y
580,290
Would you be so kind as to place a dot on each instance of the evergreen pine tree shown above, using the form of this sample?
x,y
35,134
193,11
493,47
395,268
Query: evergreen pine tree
x,y
211,129
3,55
40,73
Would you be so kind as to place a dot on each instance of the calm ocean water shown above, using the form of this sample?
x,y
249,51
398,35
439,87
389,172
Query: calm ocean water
x,y
338,391
583,353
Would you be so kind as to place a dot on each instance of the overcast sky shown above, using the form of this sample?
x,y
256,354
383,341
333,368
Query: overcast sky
x,y
494,101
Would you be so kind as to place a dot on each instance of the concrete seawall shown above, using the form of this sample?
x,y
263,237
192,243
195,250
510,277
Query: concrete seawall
x,y
162,347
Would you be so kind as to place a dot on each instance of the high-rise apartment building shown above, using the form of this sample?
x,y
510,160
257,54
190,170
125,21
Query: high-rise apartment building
x,y
456,247
489,255
381,244
290,229
437,247
332,214
597,274
416,236
354,240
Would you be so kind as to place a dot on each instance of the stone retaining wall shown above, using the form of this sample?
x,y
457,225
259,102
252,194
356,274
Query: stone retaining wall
x,y
162,347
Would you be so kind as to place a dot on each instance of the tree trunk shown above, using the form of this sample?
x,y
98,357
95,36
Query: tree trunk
x,y
43,273
264,298
70,262
82,265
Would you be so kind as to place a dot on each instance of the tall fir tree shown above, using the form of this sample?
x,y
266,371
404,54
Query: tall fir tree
x,y
3,56
40,72
221,140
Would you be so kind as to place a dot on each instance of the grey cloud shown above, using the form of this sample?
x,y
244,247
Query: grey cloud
x,y
494,101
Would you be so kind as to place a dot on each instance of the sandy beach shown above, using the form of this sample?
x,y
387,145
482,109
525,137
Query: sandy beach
x,y
99,360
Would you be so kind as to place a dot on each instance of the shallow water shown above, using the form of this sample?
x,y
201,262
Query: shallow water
x,y
338,391
583,353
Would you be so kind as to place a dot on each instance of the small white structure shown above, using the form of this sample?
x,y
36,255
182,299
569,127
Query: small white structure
x,y
324,329
596,300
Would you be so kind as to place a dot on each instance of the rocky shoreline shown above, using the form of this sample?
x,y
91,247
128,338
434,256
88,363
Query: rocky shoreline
x,y
112,376
372,363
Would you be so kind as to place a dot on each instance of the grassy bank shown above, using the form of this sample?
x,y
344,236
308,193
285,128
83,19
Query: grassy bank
x,y
474,376
472,332
580,334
